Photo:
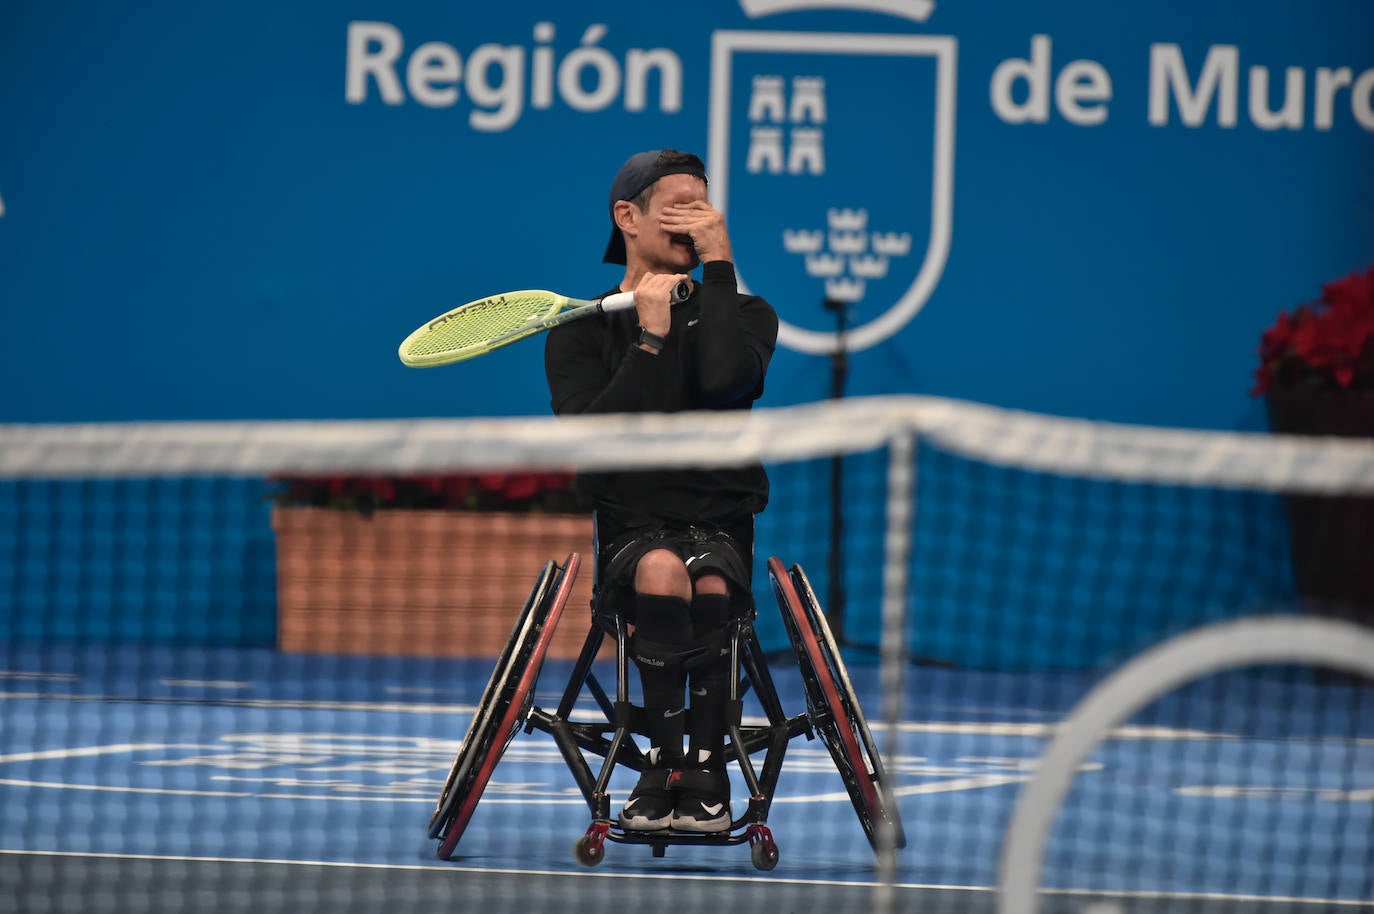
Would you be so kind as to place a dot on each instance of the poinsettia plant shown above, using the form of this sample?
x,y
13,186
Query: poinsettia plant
x,y
1323,345
547,493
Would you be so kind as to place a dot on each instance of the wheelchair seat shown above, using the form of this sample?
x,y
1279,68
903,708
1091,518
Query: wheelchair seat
x,y
831,711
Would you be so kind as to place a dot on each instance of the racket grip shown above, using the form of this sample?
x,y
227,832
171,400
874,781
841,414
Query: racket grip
x,y
624,301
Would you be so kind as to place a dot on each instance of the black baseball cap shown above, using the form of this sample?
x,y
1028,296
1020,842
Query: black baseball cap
x,y
638,172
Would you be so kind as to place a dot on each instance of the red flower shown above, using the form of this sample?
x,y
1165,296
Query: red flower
x,y
456,489
1354,293
1324,344
523,492
520,487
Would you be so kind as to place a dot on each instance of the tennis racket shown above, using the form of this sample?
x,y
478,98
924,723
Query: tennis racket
x,y
489,323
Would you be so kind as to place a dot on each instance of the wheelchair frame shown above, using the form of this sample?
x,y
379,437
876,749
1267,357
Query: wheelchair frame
x,y
832,712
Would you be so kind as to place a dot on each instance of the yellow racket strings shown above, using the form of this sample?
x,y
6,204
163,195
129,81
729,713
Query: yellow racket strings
x,y
479,323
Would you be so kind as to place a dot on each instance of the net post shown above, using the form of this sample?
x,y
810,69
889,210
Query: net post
x,y
900,512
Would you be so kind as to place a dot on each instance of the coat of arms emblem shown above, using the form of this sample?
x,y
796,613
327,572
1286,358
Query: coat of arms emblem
x,y
833,156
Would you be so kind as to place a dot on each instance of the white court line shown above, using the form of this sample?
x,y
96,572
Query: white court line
x,y
1215,896
387,707
487,800
947,785
990,728
88,751
358,798
676,876
1045,731
208,683
976,782
429,800
172,792
337,793
162,791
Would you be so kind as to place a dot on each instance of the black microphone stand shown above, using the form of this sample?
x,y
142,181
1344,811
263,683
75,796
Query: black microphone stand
x,y
839,375
835,613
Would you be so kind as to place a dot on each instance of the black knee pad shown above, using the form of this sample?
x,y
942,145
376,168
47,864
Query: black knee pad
x,y
710,616
710,612
663,631
664,619
663,635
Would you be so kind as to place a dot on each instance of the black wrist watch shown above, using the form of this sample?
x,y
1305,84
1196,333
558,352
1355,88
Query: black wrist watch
x,y
652,340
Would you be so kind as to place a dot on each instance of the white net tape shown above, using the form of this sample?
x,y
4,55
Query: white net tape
x,y
993,435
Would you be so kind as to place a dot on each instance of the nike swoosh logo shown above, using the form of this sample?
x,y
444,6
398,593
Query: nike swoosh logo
x,y
713,808
692,322
674,712
699,692
695,557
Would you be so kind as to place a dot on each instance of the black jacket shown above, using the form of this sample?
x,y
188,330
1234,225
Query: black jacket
x,y
715,357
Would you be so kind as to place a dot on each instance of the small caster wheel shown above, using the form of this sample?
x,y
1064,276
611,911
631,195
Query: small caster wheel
x,y
762,850
588,852
590,849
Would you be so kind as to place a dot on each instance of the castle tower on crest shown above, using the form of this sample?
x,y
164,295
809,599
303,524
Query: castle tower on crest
x,y
786,137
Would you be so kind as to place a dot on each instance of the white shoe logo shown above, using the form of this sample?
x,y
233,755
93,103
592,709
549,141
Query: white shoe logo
x,y
713,808
674,712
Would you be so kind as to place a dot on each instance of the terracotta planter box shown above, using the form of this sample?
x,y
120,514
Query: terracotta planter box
x,y
422,583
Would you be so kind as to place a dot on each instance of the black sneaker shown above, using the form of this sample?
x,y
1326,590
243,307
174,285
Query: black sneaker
x,y
650,806
703,800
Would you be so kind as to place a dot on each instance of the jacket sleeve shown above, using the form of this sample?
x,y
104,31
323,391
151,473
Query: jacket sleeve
x,y
732,349
579,381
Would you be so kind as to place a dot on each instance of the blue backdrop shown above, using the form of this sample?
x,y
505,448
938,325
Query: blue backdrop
x,y
237,212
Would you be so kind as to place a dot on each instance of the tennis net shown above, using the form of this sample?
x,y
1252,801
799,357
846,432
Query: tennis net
x,y
240,657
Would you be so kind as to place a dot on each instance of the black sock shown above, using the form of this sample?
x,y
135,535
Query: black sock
x,y
710,682
663,621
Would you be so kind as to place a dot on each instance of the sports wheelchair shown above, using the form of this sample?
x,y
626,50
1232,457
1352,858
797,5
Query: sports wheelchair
x,y
832,711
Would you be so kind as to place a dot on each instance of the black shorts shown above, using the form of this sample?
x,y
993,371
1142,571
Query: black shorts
x,y
704,550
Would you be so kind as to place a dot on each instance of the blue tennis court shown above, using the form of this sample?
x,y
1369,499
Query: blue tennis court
x,y
135,766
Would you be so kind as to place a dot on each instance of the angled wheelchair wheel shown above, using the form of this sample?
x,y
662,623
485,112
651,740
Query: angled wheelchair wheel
x,y
505,705
833,706
484,720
